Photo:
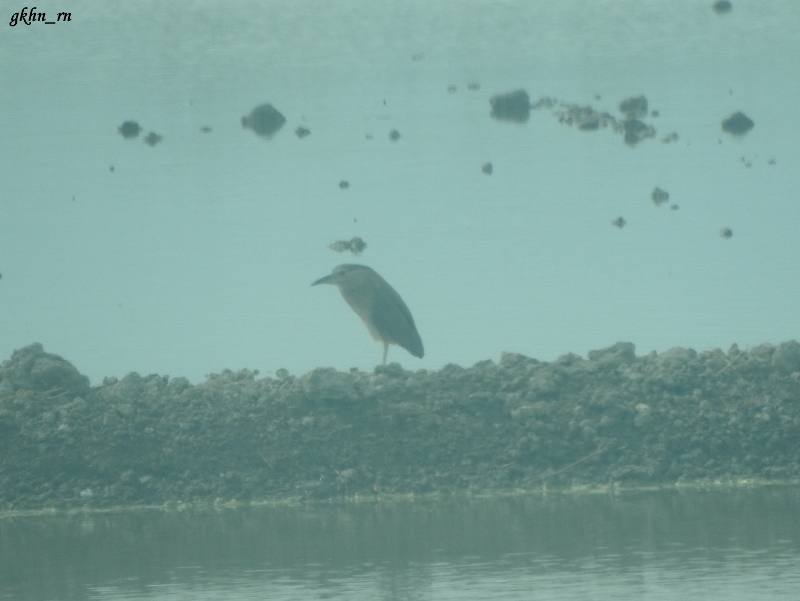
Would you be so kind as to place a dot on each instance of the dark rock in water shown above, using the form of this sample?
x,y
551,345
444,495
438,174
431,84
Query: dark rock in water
x,y
722,7
545,102
585,118
129,129
206,129
152,138
264,120
487,168
636,131
355,245
340,246
344,184
737,124
514,106
32,369
634,107
619,222
590,125
659,196
302,132
394,135
726,233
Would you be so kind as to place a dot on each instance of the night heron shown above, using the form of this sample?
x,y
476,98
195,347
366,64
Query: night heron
x,y
383,311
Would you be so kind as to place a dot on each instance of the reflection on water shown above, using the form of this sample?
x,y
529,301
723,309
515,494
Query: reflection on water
x,y
742,544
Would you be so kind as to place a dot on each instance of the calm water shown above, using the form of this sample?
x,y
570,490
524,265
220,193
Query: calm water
x,y
198,254
730,545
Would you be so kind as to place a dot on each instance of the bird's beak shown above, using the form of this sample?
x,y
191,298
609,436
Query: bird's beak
x,y
328,279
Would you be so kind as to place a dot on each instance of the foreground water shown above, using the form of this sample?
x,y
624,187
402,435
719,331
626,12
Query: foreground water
x,y
740,544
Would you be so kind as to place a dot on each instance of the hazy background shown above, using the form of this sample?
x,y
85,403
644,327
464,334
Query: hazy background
x,y
198,254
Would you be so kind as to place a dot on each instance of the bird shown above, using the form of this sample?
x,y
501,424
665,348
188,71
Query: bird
x,y
378,305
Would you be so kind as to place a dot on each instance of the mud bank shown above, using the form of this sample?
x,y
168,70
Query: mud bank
x,y
611,418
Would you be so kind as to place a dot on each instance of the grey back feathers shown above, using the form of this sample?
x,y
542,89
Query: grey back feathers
x,y
383,311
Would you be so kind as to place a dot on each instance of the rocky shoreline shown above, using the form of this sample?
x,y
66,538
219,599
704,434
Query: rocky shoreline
x,y
610,419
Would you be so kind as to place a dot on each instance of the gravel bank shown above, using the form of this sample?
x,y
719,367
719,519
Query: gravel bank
x,y
613,418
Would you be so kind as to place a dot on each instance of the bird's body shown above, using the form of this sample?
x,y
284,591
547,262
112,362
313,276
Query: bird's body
x,y
378,305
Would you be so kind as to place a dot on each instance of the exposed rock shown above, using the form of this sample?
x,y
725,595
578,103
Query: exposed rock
x,y
32,369
738,124
514,106
152,138
519,424
786,358
675,357
355,245
325,384
722,7
659,196
636,131
634,107
264,120
586,118
621,353
129,129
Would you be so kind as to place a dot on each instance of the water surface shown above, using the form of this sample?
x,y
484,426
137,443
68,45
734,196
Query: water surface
x,y
740,544
198,254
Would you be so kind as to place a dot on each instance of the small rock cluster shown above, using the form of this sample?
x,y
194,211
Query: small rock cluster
x,y
585,118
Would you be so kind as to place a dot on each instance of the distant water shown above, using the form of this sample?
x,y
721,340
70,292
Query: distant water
x,y
197,254
721,545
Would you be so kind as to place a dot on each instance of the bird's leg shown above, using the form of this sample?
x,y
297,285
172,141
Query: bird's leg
x,y
385,350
